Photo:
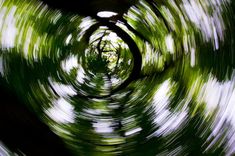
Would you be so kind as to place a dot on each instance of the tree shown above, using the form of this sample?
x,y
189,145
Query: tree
x,y
155,79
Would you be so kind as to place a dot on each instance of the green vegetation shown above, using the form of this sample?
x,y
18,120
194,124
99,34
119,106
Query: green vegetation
x,y
158,80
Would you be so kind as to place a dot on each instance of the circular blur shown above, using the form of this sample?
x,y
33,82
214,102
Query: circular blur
x,y
156,78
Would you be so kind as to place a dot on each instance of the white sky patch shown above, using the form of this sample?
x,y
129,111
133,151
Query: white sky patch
x,y
231,111
199,17
8,25
161,100
113,37
70,63
167,120
4,151
215,94
107,83
150,18
106,14
129,62
62,89
115,80
161,97
86,23
211,26
221,96
61,111
169,43
103,126
216,40
219,24
192,57
133,131
68,39
80,74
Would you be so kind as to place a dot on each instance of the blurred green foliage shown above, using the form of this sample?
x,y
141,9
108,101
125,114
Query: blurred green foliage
x,y
165,110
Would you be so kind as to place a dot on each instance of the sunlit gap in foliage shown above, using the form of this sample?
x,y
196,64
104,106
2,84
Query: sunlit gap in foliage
x,y
4,151
61,111
219,98
8,27
106,14
164,117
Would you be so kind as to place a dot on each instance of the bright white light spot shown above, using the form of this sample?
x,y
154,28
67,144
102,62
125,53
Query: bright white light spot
x,y
8,25
62,111
93,111
133,131
166,120
62,89
103,127
115,80
162,97
80,74
210,93
169,121
203,21
3,150
129,62
231,108
219,98
192,61
169,44
106,14
216,40
70,63
84,25
68,39
112,37
150,18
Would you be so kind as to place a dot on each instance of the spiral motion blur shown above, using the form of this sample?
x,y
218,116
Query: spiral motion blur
x,y
145,77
